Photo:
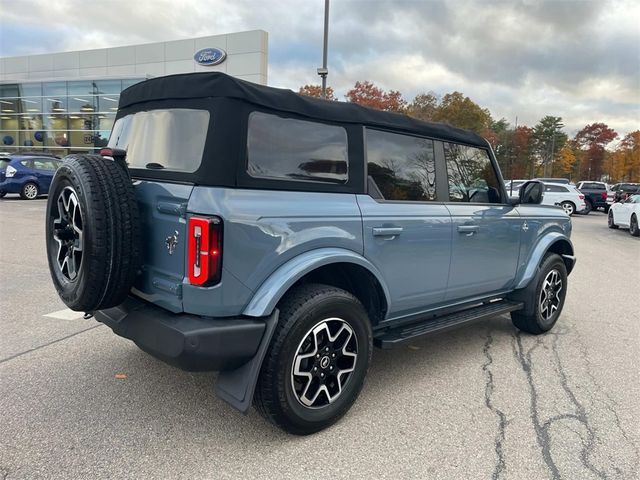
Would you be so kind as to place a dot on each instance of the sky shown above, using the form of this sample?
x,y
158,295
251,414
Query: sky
x,y
579,60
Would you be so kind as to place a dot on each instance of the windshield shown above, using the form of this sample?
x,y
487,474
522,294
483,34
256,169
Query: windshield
x,y
171,139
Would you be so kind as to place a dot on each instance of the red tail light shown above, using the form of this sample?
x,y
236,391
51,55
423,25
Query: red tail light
x,y
581,197
603,195
204,251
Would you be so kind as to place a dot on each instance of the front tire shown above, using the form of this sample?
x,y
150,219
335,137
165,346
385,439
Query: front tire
x,y
543,297
588,208
30,191
568,207
610,220
633,226
317,361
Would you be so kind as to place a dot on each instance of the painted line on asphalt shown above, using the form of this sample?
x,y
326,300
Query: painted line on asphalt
x,y
65,314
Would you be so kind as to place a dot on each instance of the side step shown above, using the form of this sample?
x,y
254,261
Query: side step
x,y
391,338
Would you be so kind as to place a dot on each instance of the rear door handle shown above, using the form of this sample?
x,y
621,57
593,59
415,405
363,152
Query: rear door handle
x,y
386,231
469,230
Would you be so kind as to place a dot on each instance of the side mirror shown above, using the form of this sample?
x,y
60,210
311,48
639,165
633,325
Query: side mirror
x,y
531,192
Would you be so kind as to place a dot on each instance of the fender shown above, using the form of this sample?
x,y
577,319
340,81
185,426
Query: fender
x,y
265,299
538,252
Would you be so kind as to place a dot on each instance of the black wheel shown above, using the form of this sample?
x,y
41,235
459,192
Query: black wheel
x,y
317,361
568,207
92,233
633,226
610,221
2,194
606,209
30,191
543,297
588,208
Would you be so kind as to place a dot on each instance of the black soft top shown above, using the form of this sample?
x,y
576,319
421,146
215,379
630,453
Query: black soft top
x,y
217,84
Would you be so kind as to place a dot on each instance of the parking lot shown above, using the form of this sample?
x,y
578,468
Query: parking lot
x,y
482,402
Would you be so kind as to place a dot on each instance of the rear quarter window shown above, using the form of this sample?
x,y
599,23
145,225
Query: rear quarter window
x,y
171,139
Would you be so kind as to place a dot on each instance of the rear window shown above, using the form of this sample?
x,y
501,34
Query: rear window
x,y
171,139
4,162
291,149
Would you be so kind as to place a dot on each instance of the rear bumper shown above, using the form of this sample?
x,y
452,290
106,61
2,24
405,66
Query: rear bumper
x,y
186,341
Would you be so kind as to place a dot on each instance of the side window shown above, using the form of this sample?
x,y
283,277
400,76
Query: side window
x,y
556,189
403,166
471,175
27,163
292,149
42,164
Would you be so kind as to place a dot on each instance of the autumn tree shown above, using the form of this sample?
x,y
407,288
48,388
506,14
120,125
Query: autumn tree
x,y
592,140
625,160
462,112
316,91
423,107
368,95
549,140
567,161
522,164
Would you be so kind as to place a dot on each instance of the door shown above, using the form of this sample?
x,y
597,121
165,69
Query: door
x,y
43,169
485,229
555,194
407,233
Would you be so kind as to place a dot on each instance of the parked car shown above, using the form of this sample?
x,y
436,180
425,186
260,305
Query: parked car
x,y
513,186
595,194
626,214
566,196
257,242
623,190
564,181
27,175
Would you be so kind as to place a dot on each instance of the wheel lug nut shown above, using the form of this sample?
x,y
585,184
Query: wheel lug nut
x,y
333,355
322,375
317,355
326,349
331,367
315,369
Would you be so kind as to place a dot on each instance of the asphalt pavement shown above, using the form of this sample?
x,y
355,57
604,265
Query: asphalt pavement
x,y
482,402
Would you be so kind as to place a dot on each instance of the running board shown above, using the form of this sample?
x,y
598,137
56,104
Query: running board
x,y
391,338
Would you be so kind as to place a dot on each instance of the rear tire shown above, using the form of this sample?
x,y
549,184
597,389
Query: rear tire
x,y
568,207
29,191
312,374
606,209
588,208
610,220
92,233
543,298
2,194
633,226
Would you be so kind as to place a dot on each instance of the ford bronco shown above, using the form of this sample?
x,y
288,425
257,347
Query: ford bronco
x,y
277,238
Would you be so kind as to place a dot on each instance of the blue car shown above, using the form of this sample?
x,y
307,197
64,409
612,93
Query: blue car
x,y
28,175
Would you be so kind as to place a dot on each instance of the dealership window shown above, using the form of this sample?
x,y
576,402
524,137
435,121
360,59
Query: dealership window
x,y
291,149
471,175
171,139
402,166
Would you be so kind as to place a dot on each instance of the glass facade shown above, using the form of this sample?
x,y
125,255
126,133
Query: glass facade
x,y
59,117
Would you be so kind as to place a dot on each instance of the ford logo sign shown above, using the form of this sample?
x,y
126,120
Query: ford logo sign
x,y
210,56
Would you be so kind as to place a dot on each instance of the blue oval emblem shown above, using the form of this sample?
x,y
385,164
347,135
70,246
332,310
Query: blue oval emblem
x,y
210,56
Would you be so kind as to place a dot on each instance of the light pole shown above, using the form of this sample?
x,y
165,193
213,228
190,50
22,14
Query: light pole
x,y
323,71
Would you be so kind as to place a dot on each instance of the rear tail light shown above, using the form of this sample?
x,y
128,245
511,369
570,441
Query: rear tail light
x,y
204,264
603,195
581,197
10,171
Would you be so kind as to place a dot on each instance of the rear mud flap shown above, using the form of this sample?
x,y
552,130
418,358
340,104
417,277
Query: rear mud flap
x,y
236,387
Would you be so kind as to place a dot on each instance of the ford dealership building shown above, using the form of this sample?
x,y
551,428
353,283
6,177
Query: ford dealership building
x,y
66,102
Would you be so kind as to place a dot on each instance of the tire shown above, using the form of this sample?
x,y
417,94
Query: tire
x,y
610,220
284,397
606,208
588,208
542,309
2,194
92,232
30,191
633,226
568,207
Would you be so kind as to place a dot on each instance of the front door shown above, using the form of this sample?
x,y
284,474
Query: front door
x,y
486,230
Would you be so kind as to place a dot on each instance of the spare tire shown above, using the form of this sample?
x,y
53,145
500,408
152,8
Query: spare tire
x,y
93,233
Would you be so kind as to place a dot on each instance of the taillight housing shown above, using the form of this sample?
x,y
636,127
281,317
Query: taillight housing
x,y
204,252
10,171
581,197
603,195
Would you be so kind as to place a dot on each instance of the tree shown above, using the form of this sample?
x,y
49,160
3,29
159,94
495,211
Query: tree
x,y
625,160
316,91
592,140
423,107
549,140
460,111
368,95
566,161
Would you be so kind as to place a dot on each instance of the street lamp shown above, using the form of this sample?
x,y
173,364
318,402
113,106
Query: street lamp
x,y
323,71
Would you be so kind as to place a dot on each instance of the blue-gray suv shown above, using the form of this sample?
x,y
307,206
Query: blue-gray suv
x,y
277,238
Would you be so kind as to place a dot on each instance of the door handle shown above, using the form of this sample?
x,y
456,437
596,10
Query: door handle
x,y
469,230
386,231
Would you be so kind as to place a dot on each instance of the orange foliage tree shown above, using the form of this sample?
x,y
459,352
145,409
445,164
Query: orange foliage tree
x,y
316,91
368,95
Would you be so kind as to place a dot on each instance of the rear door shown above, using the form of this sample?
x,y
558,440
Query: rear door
x,y
407,232
486,229
163,140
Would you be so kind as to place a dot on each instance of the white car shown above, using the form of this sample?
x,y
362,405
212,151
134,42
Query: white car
x,y
567,196
626,214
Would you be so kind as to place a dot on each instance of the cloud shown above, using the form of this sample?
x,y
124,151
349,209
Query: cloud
x,y
576,59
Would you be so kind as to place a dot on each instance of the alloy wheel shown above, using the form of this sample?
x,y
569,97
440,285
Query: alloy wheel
x,y
324,362
67,232
549,301
30,191
568,208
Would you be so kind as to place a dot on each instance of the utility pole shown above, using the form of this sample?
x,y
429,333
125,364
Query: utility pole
x,y
553,145
323,71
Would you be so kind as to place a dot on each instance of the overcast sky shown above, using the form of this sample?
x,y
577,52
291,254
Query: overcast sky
x,y
579,60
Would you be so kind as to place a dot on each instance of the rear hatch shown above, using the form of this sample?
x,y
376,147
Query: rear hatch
x,y
166,143
4,163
